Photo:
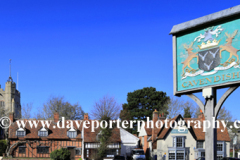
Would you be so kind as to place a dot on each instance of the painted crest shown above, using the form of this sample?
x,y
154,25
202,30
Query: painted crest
x,y
208,57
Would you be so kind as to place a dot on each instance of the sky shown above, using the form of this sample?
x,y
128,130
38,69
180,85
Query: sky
x,y
86,49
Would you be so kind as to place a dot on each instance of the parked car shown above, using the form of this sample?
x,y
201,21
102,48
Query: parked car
x,y
201,158
138,154
229,158
117,157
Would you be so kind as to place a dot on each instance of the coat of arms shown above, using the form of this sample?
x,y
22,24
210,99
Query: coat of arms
x,y
210,54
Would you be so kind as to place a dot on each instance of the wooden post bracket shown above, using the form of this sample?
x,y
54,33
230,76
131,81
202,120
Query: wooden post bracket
x,y
220,102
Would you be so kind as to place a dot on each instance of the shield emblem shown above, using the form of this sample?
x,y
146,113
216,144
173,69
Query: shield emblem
x,y
209,59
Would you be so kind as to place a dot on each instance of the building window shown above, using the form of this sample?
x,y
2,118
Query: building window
x,y
179,142
219,157
219,146
113,145
78,151
43,132
92,145
180,155
199,144
20,132
22,149
111,152
2,104
72,133
171,155
42,149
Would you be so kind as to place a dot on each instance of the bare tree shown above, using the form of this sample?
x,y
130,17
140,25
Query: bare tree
x,y
64,108
3,111
26,110
106,107
177,105
225,114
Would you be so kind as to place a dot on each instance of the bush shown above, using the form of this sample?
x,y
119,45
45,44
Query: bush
x,y
61,154
3,146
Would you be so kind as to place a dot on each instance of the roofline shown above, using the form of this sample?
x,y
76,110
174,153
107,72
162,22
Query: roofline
x,y
205,19
127,132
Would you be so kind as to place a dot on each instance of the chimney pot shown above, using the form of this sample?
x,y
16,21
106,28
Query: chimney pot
x,y
85,116
201,115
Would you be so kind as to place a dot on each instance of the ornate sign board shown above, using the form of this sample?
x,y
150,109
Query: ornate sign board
x,y
207,56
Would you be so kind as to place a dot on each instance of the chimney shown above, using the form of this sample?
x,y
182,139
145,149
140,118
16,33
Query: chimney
x,y
11,117
85,116
161,117
56,117
201,115
154,119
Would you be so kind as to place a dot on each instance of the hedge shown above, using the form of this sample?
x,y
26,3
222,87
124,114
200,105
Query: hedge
x,y
60,154
3,147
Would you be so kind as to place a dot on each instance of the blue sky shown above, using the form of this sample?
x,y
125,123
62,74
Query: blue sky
x,y
84,50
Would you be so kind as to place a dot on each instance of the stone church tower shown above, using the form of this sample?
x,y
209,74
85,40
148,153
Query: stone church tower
x,y
10,98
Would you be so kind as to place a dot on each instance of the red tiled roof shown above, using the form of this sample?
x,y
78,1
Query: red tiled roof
x,y
53,132
200,135
91,136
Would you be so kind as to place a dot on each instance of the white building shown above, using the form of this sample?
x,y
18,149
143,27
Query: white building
x,y
121,142
180,142
128,142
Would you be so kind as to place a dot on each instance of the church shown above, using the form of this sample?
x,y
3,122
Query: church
x,y
9,101
10,98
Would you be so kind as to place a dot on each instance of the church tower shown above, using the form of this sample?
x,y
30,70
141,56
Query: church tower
x,y
10,98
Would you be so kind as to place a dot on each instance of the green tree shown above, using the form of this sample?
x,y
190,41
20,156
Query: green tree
x,y
187,113
142,103
103,137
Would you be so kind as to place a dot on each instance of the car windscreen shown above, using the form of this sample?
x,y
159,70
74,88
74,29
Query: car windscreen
x,y
138,152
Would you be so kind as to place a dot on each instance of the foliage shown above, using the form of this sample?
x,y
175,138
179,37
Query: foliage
x,y
60,154
3,146
106,107
142,103
104,134
187,113
63,107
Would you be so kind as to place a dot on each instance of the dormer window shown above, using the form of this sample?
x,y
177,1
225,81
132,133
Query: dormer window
x,y
72,133
21,132
43,132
